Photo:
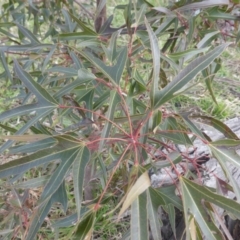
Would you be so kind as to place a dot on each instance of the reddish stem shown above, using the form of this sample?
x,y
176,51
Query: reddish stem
x,y
97,206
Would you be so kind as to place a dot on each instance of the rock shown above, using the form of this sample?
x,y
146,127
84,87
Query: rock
x,y
166,176
211,175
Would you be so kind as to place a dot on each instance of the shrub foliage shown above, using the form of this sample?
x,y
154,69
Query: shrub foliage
x,y
94,115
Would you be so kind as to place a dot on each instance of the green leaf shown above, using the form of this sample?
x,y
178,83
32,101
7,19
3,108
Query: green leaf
x,y
38,217
88,99
59,174
69,220
192,126
195,198
114,100
47,59
39,128
83,26
82,78
186,75
238,36
67,71
136,117
27,34
203,4
26,138
143,139
139,223
192,27
106,29
140,15
156,120
187,54
166,11
26,48
172,130
226,143
139,107
7,24
156,63
207,39
111,51
76,60
40,109
168,195
220,126
174,136
85,40
232,157
61,196
33,147
208,81
32,183
70,25
114,73
216,13
172,158
85,227
41,212
127,15
153,204
163,27
79,165
224,154
41,157
7,128
5,65
172,215
19,111
138,86
42,112
172,63
101,5
34,87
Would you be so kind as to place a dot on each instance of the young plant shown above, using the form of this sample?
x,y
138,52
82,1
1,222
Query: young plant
x,y
114,86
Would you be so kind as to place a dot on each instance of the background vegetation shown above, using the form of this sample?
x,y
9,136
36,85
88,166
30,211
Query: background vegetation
x,y
95,96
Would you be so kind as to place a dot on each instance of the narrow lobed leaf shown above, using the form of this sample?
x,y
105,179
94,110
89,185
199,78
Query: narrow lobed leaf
x,y
187,74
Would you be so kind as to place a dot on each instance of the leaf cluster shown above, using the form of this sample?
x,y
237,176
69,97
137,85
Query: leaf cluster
x,y
95,118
